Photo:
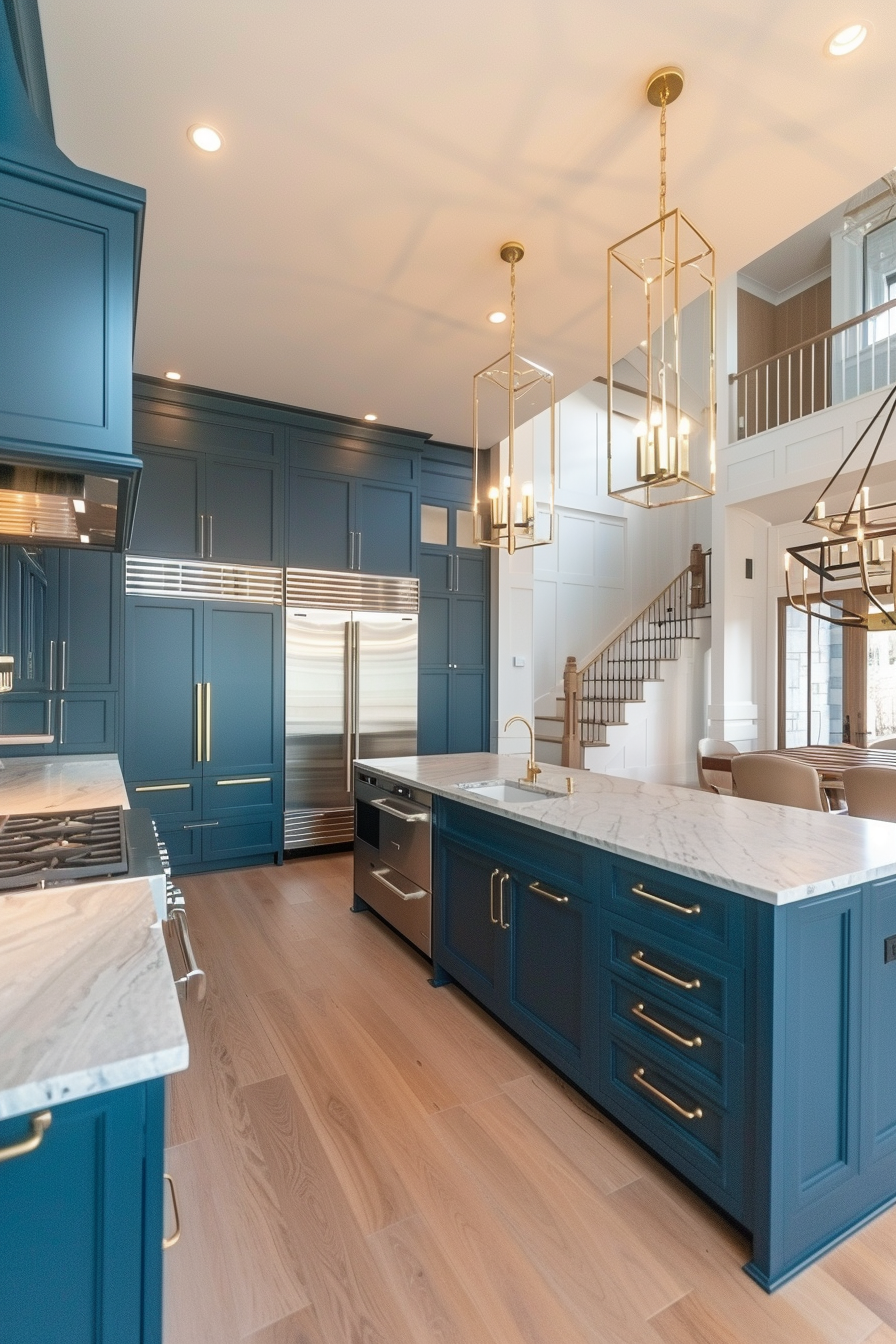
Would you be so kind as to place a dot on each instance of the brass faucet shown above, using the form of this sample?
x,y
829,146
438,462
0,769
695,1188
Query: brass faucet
x,y
532,770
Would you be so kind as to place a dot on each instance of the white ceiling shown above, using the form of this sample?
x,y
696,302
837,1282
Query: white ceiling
x,y
341,252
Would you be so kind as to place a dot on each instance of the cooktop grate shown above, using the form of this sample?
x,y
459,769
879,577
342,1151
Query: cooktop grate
x,y
61,846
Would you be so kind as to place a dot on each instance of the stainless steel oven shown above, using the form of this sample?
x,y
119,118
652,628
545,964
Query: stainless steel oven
x,y
190,985
393,854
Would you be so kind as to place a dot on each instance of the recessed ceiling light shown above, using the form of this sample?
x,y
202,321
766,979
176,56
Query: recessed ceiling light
x,y
847,39
205,137
85,538
497,317
370,417
79,506
173,375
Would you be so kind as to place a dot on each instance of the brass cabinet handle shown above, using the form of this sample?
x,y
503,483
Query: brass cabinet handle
x,y
491,896
543,891
199,723
159,788
255,779
168,1242
638,959
638,1011
695,1114
40,1123
208,720
505,877
669,905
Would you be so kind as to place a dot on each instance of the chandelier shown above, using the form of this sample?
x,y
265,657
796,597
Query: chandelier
x,y
661,291
505,394
861,548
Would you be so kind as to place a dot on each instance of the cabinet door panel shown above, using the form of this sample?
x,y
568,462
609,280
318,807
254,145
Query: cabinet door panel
x,y
386,517
243,672
434,631
86,723
31,596
319,521
243,502
469,943
434,572
470,571
469,730
89,615
433,698
548,968
468,633
163,664
28,714
168,504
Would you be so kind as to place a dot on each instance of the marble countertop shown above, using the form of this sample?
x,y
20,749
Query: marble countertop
x,y
87,998
53,783
771,853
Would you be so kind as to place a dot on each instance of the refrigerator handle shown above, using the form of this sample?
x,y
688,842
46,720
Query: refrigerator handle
x,y
356,639
349,700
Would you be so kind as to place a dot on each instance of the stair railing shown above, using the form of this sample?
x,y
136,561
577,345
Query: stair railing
x,y
596,694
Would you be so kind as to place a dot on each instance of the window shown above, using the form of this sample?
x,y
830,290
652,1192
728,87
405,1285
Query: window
x,y
433,525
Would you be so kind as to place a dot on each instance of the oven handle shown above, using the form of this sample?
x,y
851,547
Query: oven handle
x,y
380,875
385,805
195,976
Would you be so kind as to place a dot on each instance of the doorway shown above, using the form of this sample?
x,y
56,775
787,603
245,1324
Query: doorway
x,y
824,678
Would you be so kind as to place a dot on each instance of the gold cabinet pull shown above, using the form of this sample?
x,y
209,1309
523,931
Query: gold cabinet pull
x,y
199,723
695,1114
491,896
168,1242
638,1012
255,779
40,1123
549,895
669,905
159,788
638,959
505,877
208,720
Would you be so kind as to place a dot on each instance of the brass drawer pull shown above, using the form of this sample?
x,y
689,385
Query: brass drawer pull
x,y
256,779
168,1242
543,891
159,788
40,1123
491,896
638,959
695,1114
199,723
639,1013
669,905
505,877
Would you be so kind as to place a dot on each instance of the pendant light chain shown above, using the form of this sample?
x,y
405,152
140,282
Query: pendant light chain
x,y
665,99
512,306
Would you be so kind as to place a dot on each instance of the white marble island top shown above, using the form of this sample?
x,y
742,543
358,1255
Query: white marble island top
x,y
87,998
770,853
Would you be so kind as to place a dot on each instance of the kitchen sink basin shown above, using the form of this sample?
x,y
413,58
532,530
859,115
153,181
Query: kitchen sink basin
x,y
503,791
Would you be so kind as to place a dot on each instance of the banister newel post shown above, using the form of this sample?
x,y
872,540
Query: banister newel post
x,y
572,742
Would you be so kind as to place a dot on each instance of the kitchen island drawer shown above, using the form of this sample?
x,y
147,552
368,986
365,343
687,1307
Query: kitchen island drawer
x,y
683,1124
231,795
694,1052
704,989
693,913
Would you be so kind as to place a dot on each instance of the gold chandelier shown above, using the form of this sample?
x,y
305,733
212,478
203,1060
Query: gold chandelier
x,y
861,550
661,282
510,391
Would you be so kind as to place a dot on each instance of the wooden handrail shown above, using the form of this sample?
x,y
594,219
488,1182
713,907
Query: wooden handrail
x,y
813,340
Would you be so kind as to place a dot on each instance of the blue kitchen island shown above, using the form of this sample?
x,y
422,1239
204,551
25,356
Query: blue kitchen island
x,y
718,975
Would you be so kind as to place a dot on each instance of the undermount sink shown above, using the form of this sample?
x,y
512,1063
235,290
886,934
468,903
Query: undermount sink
x,y
503,791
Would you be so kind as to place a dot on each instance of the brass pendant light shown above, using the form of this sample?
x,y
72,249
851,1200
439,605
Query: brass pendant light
x,y
653,275
507,517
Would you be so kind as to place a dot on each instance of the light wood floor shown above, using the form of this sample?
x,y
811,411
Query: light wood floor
x,y
362,1159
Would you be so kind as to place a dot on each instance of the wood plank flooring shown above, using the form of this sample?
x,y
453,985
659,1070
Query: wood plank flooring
x,y
362,1159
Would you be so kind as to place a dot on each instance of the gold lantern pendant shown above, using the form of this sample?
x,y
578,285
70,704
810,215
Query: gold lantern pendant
x,y
507,515
653,275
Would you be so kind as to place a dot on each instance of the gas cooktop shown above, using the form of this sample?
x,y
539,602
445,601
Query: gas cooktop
x,y
61,847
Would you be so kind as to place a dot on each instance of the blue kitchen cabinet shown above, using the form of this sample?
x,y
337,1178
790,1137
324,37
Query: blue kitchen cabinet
x,y
338,522
82,1225
32,615
468,938
386,528
203,732
205,505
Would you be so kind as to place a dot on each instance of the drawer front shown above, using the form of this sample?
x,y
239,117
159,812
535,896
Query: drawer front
x,y
700,1138
230,795
694,1052
575,866
691,912
183,842
242,839
704,989
167,798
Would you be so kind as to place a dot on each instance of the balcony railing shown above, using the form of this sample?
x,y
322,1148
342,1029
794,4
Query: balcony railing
x,y
857,357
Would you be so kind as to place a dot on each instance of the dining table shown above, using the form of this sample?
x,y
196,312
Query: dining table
x,y
830,762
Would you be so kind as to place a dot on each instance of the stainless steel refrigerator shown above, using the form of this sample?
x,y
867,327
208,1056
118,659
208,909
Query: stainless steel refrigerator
x,y
351,692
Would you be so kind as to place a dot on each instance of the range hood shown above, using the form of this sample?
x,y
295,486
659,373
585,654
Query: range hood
x,y
66,502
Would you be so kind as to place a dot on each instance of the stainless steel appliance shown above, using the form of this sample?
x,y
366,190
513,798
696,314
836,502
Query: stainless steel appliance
x,y
351,691
393,853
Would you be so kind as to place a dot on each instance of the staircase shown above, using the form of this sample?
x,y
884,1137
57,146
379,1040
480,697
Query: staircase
x,y
607,693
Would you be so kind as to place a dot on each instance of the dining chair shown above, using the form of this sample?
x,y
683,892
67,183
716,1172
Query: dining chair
x,y
871,792
714,781
775,779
